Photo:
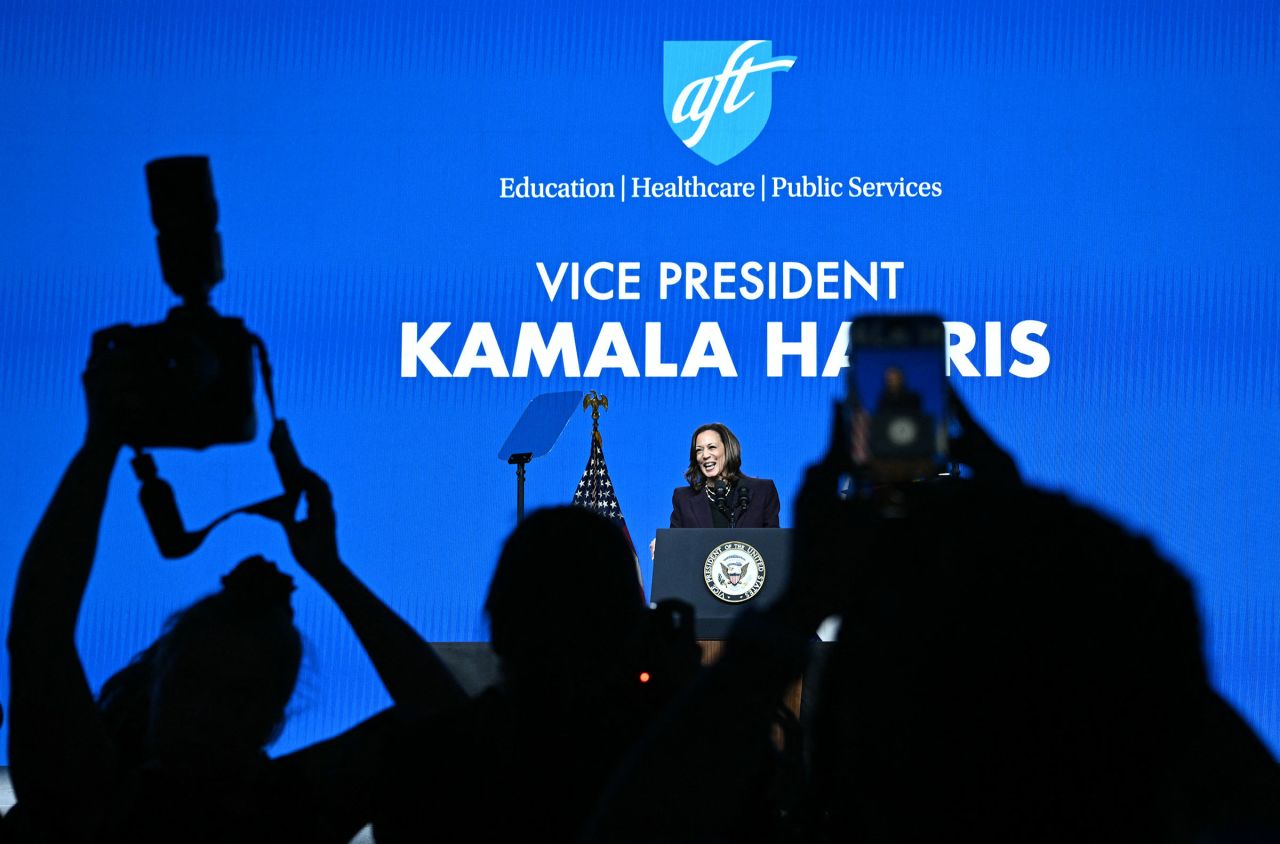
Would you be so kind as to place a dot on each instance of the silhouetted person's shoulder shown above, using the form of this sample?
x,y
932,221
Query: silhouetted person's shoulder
x,y
1022,658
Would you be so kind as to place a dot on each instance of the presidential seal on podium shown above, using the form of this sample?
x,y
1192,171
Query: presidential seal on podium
x,y
734,572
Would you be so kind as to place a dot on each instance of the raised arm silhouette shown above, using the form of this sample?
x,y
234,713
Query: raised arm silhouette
x,y
173,748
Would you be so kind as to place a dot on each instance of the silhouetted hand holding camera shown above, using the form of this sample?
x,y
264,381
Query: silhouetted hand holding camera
x,y
976,449
314,541
111,400
832,531
409,668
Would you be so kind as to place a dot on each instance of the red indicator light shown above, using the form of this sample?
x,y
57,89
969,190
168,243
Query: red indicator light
x,y
644,676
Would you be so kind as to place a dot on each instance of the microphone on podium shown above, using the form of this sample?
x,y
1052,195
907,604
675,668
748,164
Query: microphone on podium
x,y
744,500
720,498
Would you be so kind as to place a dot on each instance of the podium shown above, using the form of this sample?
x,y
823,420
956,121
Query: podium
x,y
714,569
694,564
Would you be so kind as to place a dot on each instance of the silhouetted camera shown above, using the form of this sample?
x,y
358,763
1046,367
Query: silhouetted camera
x,y
190,378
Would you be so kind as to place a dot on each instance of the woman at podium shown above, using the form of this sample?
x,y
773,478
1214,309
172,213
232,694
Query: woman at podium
x,y
718,494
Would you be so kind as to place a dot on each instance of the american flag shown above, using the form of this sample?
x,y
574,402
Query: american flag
x,y
595,490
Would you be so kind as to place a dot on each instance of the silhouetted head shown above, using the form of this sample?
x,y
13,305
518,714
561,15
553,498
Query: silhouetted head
x,y
565,594
714,453
211,692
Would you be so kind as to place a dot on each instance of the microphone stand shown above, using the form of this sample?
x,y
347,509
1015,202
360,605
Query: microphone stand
x,y
744,501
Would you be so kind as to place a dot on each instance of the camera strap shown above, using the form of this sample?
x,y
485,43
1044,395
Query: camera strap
x,y
264,366
161,506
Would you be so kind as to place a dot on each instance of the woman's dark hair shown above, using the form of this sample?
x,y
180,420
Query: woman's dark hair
x,y
732,456
253,602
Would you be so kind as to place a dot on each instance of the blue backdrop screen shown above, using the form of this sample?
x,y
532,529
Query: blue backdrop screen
x,y
1087,193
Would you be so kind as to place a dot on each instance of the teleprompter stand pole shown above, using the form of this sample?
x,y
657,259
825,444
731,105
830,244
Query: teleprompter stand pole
x,y
520,461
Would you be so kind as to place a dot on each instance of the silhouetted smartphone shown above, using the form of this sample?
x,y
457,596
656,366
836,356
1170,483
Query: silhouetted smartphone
x,y
899,415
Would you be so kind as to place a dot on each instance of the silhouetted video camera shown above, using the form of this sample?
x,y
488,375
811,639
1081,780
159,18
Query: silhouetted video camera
x,y
190,377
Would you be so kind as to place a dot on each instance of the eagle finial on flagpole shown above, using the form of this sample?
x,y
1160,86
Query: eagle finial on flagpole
x,y
595,401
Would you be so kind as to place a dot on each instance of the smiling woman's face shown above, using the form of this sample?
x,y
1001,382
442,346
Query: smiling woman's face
x,y
708,451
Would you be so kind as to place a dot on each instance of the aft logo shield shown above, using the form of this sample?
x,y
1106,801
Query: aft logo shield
x,y
718,94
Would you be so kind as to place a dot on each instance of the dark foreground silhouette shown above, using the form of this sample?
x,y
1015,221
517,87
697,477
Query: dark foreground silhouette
x,y
1011,667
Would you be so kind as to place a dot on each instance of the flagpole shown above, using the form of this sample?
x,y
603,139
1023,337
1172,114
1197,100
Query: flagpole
x,y
595,401
595,490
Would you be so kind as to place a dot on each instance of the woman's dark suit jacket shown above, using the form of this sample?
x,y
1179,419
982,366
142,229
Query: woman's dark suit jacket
x,y
691,509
